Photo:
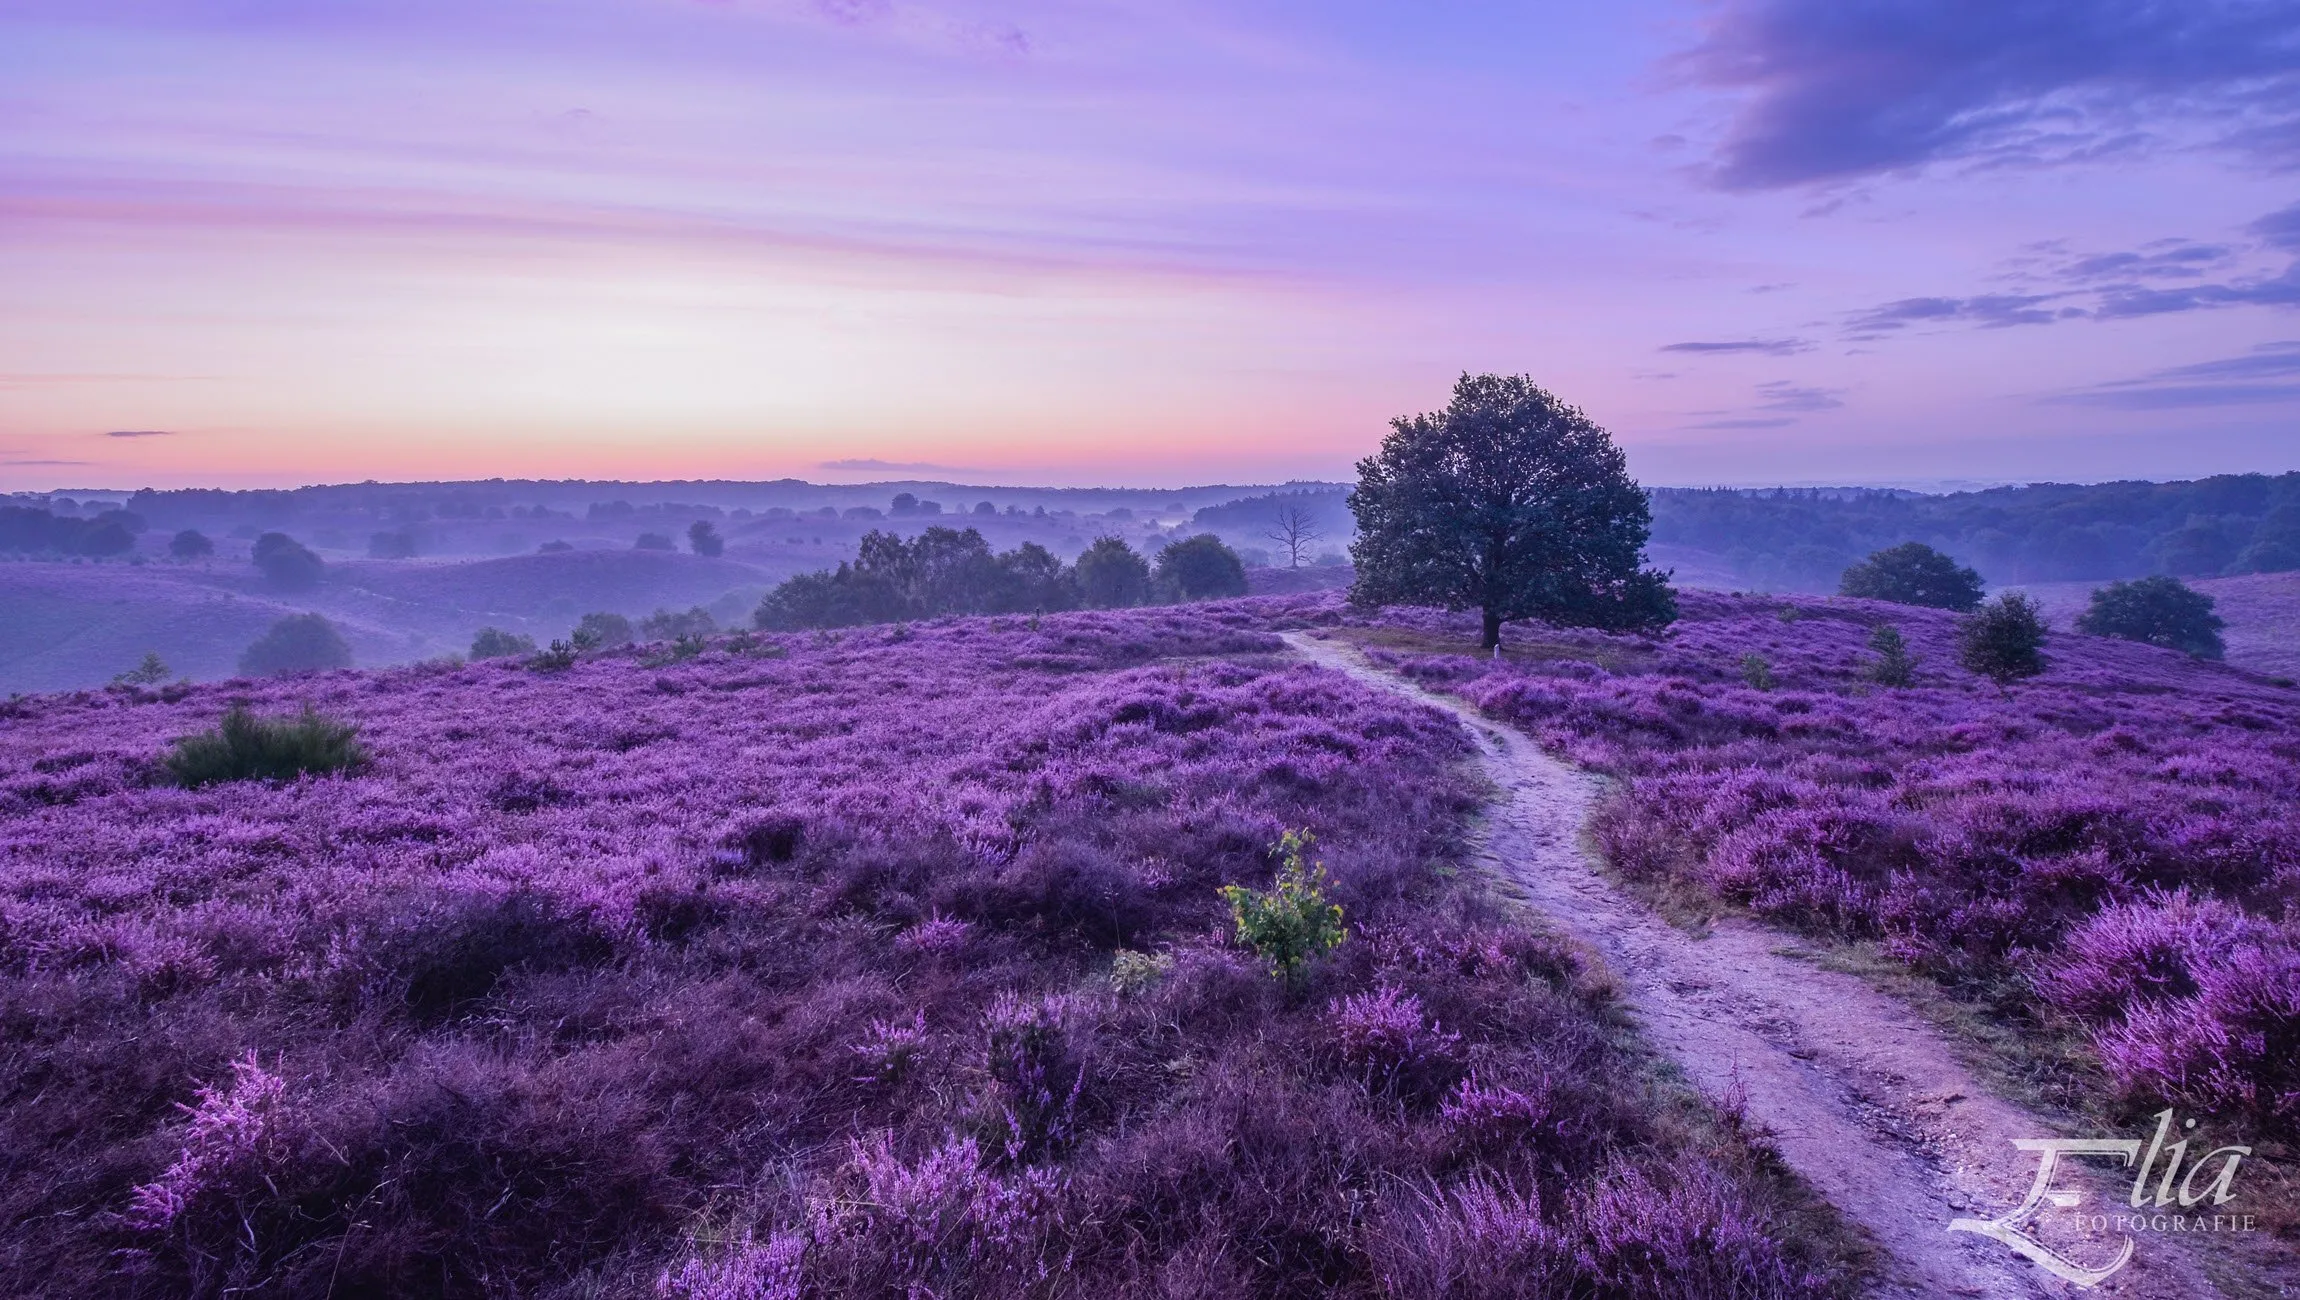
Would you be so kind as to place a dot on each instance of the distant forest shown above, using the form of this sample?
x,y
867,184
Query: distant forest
x,y
1790,539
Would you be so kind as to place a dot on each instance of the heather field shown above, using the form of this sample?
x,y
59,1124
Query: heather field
x,y
888,962
2107,855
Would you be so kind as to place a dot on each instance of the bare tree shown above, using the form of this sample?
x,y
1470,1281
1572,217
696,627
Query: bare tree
x,y
1296,529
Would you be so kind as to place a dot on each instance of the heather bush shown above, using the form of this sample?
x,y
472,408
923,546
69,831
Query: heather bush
x,y
2119,837
1393,1048
1757,672
800,977
1293,922
246,747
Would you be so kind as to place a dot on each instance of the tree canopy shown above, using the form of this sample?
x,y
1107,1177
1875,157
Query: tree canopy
x,y
2004,639
1913,574
286,562
1201,568
2160,611
1511,503
297,643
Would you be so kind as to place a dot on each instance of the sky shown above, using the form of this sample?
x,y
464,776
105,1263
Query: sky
x,y
1155,242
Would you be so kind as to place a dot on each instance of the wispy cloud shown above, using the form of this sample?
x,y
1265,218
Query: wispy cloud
x,y
1755,347
1839,89
2268,374
1993,311
873,465
140,433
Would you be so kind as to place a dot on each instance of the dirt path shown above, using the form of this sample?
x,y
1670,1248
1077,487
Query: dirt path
x,y
1862,1098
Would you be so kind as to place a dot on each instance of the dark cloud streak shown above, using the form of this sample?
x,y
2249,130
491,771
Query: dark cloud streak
x,y
1839,89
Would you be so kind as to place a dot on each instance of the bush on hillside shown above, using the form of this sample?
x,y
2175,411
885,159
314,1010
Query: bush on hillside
x,y
298,643
653,542
2159,611
1913,574
1895,666
394,545
604,631
495,643
151,672
286,562
703,538
2004,639
1293,922
1202,568
190,544
245,747
671,625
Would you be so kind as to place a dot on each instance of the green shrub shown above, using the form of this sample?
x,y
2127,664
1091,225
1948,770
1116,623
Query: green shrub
x,y
495,643
558,659
1138,972
244,747
1292,924
1894,666
1913,574
1756,672
2003,640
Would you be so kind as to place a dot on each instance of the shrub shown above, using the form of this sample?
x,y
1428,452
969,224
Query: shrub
x,y
703,538
1133,973
1894,666
1202,568
394,545
246,747
1036,1076
2003,640
298,643
287,563
1756,672
1913,574
495,643
1294,922
653,542
190,544
558,657
670,625
605,630
554,547
152,671
1393,1047
2158,611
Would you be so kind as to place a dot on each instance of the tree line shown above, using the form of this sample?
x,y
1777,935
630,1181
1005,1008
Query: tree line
x,y
947,571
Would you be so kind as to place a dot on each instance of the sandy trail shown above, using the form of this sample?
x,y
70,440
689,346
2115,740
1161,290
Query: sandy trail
x,y
1862,1098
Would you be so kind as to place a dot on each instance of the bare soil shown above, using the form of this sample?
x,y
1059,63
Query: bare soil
x,y
1867,1102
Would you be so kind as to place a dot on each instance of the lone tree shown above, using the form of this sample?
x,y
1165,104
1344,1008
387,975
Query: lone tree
x,y
286,562
1201,568
1295,529
703,538
2159,611
2004,639
1511,503
1913,574
299,643
190,544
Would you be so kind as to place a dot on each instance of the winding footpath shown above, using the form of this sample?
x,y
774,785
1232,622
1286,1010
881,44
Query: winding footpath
x,y
1862,1098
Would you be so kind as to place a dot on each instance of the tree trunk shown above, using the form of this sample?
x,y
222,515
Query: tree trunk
x,y
1492,639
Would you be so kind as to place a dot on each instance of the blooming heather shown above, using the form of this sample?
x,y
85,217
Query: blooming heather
x,y
785,969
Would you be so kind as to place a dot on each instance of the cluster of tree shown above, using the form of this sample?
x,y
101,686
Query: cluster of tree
x,y
32,530
951,571
2160,610
1798,538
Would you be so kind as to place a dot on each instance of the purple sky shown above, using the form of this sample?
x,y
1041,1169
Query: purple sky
x,y
1762,240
